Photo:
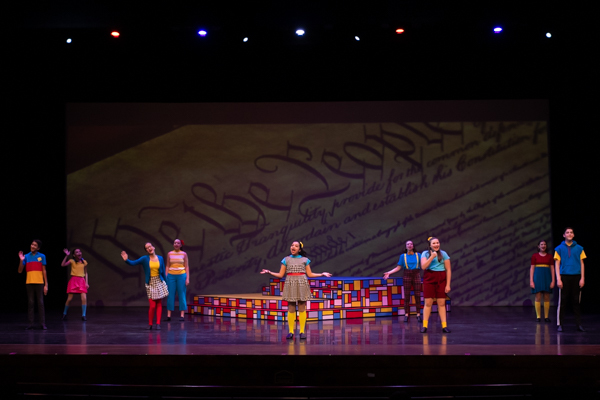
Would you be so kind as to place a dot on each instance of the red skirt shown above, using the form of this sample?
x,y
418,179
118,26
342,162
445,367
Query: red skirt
x,y
77,285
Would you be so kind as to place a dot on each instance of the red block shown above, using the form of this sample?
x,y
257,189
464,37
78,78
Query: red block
x,y
314,306
354,314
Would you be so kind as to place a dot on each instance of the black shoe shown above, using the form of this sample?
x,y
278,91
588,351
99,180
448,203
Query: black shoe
x,y
149,328
538,320
44,327
29,327
559,328
168,319
64,317
419,318
290,336
546,319
423,330
406,318
446,330
182,318
580,328
83,318
302,336
157,327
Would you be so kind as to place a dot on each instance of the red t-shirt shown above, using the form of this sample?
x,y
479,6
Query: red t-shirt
x,y
536,259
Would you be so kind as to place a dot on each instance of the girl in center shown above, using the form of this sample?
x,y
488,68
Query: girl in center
x,y
542,279
156,285
436,281
296,290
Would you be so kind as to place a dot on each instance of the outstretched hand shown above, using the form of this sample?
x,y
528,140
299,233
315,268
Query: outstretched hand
x,y
327,274
265,271
21,256
386,275
124,255
67,252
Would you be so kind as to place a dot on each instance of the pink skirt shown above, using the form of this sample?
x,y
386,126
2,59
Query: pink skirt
x,y
76,285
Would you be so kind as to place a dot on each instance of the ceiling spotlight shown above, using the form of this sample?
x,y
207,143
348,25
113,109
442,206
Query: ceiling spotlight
x,y
300,32
356,38
497,29
202,32
548,35
115,34
399,31
69,40
245,39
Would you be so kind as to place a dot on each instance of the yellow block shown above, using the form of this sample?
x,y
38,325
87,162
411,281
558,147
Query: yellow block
x,y
346,286
375,304
386,309
394,289
368,315
357,285
356,304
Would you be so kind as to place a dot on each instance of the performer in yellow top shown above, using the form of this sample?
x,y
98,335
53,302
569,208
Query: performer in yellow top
x,y
78,282
178,277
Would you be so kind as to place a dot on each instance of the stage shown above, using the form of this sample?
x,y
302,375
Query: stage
x,y
502,349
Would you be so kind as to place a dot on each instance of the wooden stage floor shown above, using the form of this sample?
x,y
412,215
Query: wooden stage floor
x,y
488,346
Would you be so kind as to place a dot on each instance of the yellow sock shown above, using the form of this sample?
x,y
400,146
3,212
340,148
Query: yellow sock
x,y
302,318
538,307
546,308
425,323
291,318
444,325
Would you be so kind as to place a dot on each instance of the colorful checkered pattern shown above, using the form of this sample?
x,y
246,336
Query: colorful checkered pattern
x,y
335,298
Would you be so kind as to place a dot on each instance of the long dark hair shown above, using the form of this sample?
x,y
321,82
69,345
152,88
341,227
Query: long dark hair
x,y
301,252
439,253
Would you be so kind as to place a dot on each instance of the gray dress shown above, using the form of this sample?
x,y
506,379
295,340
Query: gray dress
x,y
296,287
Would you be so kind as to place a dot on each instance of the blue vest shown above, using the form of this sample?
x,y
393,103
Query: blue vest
x,y
570,261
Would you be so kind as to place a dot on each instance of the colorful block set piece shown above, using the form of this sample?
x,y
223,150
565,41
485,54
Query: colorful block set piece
x,y
334,298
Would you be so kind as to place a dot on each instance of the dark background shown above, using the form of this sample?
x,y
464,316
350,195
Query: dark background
x,y
447,52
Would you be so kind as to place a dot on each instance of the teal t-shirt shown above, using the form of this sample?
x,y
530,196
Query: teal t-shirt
x,y
435,264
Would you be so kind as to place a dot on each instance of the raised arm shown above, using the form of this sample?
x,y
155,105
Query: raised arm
x,y
131,262
21,258
281,273
310,274
65,262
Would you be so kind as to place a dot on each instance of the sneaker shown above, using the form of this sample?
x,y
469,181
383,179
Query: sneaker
x,y
290,336
302,336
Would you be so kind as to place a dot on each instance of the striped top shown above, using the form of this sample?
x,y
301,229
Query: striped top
x,y
176,262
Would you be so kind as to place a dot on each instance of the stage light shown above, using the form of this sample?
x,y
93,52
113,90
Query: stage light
x,y
356,38
115,34
399,31
202,32
548,35
245,39
497,29
69,40
300,32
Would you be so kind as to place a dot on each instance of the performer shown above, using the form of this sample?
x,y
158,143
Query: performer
x,y
570,276
156,286
296,290
542,279
34,264
410,263
436,281
78,283
178,277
